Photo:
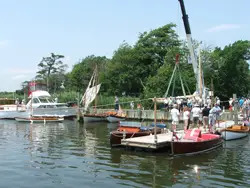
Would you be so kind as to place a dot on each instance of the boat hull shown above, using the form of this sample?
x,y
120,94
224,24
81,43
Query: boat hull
x,y
65,112
230,135
192,147
93,118
117,136
115,119
40,119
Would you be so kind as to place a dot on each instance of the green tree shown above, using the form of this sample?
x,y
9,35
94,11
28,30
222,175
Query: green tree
x,y
233,69
50,65
82,72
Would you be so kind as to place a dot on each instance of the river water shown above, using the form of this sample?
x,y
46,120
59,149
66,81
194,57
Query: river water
x,y
70,154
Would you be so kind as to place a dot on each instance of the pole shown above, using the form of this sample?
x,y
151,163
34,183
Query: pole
x,y
155,137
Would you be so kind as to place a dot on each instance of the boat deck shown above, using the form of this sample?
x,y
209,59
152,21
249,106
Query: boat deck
x,y
163,140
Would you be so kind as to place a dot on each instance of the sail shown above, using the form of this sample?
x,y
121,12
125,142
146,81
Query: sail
x,y
90,95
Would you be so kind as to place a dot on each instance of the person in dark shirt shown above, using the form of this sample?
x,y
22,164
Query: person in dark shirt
x,y
205,114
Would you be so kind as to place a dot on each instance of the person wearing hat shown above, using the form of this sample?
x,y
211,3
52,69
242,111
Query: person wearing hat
x,y
175,117
196,114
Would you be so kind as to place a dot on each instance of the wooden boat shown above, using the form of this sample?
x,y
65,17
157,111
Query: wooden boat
x,y
114,117
94,117
194,142
235,132
129,130
40,119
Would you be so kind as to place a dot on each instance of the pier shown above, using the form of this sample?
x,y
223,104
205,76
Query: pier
x,y
160,114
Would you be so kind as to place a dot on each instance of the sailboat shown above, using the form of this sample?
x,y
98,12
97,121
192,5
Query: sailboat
x,y
88,97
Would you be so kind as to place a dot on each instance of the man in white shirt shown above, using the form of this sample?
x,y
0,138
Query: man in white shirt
x,y
196,114
175,117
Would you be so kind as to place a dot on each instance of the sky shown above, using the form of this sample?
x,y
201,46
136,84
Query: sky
x,y
32,29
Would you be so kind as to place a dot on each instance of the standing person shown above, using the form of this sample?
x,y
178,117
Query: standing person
x,y
132,105
217,112
205,114
116,103
212,119
230,104
241,101
186,118
175,117
196,114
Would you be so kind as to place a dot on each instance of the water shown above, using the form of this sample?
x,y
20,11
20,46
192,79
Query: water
x,y
75,155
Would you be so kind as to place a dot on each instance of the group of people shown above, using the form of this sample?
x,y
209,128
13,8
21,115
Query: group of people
x,y
197,114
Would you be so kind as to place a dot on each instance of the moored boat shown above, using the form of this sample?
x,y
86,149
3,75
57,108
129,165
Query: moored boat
x,y
114,117
94,117
128,129
194,142
235,132
40,119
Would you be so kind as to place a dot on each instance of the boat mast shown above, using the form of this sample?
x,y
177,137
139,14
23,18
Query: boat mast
x,y
190,46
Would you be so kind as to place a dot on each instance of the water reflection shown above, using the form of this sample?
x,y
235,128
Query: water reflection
x,y
71,153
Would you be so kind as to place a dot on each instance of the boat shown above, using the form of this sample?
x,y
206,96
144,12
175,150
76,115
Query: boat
x,y
114,117
40,104
40,119
128,129
9,108
94,117
235,132
89,96
195,142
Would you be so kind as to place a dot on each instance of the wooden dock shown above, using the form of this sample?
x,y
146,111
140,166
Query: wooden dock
x,y
149,142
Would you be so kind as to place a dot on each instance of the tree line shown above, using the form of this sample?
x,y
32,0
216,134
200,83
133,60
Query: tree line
x,y
144,69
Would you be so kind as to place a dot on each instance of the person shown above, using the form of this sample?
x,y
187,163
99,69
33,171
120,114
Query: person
x,y
209,102
241,101
186,118
214,114
217,112
196,114
116,103
212,119
230,104
205,114
175,117
56,100
132,105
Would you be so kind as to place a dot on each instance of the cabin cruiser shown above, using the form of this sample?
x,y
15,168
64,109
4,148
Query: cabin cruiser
x,y
40,104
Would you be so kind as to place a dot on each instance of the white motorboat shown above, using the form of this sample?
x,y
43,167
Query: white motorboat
x,y
235,132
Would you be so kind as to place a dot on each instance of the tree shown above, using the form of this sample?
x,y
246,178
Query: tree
x,y
50,65
131,66
82,71
233,69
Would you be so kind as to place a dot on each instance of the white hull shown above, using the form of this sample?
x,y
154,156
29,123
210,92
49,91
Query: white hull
x,y
112,119
230,135
93,119
64,112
